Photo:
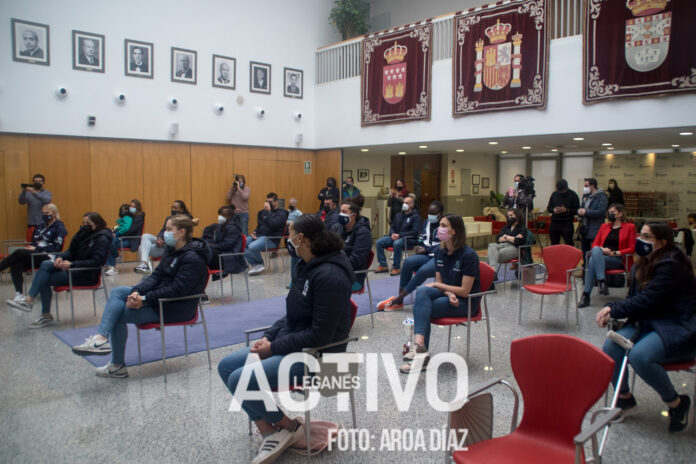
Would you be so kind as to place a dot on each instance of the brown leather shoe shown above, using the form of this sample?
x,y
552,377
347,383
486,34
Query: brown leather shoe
x,y
395,272
381,269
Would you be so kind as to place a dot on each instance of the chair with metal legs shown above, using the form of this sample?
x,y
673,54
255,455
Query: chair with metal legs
x,y
100,284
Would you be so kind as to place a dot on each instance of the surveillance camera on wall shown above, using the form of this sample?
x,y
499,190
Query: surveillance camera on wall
x,y
120,98
173,102
218,108
260,112
297,115
61,92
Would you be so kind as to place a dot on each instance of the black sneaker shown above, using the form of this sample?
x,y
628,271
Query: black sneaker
x,y
679,416
603,289
627,406
585,302
205,300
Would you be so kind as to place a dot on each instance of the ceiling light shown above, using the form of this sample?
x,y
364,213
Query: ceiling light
x,y
422,146
459,150
492,143
554,150
364,149
402,152
526,148
606,144
578,139
610,148
504,152
675,146
686,133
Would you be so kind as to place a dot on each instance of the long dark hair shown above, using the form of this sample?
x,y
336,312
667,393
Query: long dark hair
x,y
97,220
323,241
616,185
138,206
183,206
457,224
355,203
645,265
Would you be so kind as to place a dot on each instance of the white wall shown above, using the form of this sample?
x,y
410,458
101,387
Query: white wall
x,y
377,164
410,11
283,34
483,165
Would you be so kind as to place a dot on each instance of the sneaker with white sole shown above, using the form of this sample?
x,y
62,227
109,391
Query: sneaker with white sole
x,y
93,345
44,319
111,271
22,305
257,269
681,417
274,444
113,371
142,268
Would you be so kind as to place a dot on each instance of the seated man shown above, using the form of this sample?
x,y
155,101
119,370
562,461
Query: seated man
x,y
225,236
270,227
330,213
405,226
357,237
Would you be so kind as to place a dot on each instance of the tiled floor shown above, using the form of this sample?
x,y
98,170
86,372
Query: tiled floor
x,y
54,409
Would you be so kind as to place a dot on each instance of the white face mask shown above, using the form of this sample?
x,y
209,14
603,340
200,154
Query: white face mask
x,y
586,190
222,219
405,207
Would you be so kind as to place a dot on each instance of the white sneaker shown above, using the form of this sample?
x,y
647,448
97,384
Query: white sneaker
x,y
44,319
274,444
142,268
113,371
93,345
17,298
22,305
257,269
111,271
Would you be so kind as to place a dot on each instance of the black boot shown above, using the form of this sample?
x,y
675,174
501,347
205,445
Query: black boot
x,y
584,300
603,290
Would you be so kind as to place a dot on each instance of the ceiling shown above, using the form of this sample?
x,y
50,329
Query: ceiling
x,y
661,139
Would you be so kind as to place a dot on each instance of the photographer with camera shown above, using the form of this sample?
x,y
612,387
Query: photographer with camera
x,y
563,205
35,196
510,201
238,196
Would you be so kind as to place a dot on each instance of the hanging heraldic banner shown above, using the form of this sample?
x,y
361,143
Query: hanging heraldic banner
x,y
395,77
500,57
635,48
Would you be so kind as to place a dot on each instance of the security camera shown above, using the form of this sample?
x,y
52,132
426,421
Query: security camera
x,y
120,98
218,107
298,115
61,92
260,112
173,102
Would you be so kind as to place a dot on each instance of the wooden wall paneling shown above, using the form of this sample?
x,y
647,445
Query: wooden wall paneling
x,y
327,164
258,167
212,175
15,169
293,182
166,177
65,163
3,200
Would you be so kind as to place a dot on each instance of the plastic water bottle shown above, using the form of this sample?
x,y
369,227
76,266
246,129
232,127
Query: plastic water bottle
x,y
408,326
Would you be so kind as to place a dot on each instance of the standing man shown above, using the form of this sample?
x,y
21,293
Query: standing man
x,y
138,62
593,211
238,196
406,225
563,205
31,45
349,188
270,227
35,197
88,53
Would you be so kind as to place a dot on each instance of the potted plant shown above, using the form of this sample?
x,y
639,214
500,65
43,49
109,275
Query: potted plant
x,y
350,17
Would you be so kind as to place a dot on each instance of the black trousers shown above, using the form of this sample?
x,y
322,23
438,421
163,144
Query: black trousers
x,y
561,229
18,262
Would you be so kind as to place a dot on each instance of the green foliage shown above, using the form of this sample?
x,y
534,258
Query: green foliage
x,y
496,198
350,17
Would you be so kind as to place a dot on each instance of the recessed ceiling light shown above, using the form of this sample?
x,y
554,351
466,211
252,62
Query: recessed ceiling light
x,y
578,139
402,152
554,150
686,133
492,143
459,150
675,146
526,148
504,152
422,146
364,149
610,148
606,144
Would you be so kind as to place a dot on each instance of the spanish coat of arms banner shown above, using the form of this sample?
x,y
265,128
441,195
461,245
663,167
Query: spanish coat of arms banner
x,y
500,57
395,78
638,48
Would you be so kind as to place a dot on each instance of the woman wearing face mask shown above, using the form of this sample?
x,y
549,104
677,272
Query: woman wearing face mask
x,y
511,236
456,275
89,247
123,225
135,211
421,262
330,191
225,236
151,246
615,193
661,312
356,236
318,312
614,240
48,238
396,198
182,272
238,196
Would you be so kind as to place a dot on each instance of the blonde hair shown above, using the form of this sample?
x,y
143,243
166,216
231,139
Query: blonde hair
x,y
53,208
181,221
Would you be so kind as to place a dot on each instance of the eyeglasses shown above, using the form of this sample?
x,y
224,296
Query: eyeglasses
x,y
647,236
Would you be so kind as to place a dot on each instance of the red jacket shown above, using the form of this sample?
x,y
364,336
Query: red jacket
x,y
627,239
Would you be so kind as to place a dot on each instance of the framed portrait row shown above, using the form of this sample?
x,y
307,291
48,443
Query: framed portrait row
x,y
31,44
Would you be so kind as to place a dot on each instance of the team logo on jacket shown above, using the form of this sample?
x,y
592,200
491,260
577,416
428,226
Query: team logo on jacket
x,y
498,62
647,35
457,266
394,75
305,290
171,266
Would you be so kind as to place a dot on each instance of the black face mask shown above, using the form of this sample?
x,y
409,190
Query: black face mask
x,y
330,184
326,208
612,217
174,212
85,230
291,208
37,186
123,213
399,187
510,220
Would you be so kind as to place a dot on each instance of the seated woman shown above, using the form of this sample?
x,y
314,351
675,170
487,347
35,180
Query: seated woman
x,y
225,236
123,224
614,240
422,262
182,272
88,248
456,275
153,247
135,211
511,236
317,313
661,312
357,237
48,238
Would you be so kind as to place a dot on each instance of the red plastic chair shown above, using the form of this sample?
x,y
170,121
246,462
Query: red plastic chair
x,y
366,271
497,227
219,272
486,276
404,253
627,260
560,378
560,261
100,284
482,219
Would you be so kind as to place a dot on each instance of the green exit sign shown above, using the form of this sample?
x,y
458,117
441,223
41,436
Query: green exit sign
x,y
307,167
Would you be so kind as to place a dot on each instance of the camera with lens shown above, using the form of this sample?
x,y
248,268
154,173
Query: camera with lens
x,y
525,192
236,182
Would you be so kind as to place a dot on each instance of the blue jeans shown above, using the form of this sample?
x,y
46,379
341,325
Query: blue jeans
x,y
431,303
596,266
646,358
398,244
422,265
115,318
230,370
115,248
243,222
255,247
46,277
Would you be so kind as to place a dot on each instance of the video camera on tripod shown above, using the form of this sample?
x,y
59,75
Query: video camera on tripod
x,y
525,192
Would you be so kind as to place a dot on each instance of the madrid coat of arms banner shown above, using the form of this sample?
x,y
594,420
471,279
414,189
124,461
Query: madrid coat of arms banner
x,y
638,48
395,78
500,57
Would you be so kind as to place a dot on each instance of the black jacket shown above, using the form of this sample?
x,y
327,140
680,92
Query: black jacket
x,y
271,223
180,273
225,238
570,200
136,230
328,192
407,225
615,196
318,309
164,225
88,249
52,236
514,231
667,305
357,246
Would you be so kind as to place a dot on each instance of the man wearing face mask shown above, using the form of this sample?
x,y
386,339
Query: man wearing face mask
x,y
563,205
405,226
270,222
34,196
396,198
356,236
593,210
329,214
349,188
294,210
225,236
329,191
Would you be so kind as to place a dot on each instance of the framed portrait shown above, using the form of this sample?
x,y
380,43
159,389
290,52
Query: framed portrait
x,y
475,189
485,182
363,175
347,173
475,179
378,180
259,77
224,72
30,42
87,51
139,58
292,83
184,65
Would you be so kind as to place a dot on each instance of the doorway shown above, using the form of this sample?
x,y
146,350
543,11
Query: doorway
x,y
422,176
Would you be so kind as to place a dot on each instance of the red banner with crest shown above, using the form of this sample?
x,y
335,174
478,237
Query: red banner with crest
x,y
500,57
635,48
395,77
